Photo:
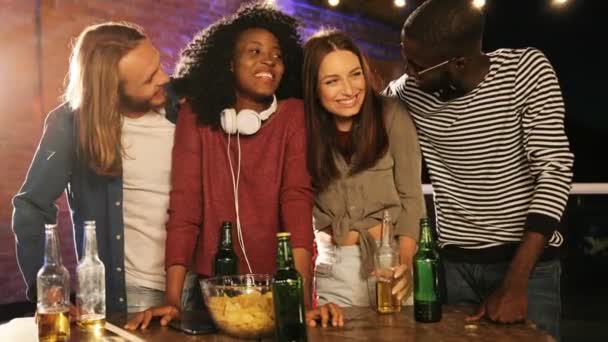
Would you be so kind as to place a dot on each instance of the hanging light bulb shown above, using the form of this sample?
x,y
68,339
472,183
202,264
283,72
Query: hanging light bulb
x,y
558,3
333,3
479,4
399,3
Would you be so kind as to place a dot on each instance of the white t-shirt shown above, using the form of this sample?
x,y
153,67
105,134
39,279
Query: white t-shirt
x,y
148,142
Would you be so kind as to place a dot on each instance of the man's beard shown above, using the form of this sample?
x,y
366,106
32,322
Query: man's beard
x,y
132,105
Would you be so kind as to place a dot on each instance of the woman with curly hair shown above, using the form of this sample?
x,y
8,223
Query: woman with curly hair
x,y
364,159
240,154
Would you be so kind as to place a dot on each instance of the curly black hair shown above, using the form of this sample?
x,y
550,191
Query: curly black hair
x,y
203,73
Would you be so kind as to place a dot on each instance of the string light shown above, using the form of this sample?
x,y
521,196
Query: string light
x,y
479,4
399,3
333,3
559,3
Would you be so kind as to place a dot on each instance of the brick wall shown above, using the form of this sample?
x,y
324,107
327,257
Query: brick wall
x,y
169,23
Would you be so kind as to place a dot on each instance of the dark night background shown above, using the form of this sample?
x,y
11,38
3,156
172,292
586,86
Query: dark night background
x,y
572,40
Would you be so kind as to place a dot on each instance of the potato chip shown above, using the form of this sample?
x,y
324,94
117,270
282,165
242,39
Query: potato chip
x,y
248,315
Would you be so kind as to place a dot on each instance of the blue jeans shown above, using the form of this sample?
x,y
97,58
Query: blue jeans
x,y
471,284
141,298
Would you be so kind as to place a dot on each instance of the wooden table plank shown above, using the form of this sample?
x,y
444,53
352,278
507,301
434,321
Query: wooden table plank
x,y
364,324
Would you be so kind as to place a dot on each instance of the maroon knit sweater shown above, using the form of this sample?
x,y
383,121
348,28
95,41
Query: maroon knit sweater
x,y
275,192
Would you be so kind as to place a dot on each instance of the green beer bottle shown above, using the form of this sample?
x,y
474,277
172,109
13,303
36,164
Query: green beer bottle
x,y
226,262
288,296
427,301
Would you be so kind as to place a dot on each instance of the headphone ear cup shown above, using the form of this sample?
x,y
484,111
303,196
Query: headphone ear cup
x,y
248,122
228,121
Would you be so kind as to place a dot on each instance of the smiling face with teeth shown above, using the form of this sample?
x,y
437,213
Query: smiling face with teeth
x,y
258,68
341,86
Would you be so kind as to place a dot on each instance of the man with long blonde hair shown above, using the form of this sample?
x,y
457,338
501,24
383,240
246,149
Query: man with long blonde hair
x,y
109,147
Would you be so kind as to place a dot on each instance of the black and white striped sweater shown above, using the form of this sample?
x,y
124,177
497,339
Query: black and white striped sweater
x,y
498,157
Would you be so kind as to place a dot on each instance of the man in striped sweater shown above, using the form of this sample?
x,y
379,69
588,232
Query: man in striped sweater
x,y
491,131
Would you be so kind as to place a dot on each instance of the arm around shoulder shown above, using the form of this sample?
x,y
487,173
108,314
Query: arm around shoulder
x,y
405,150
296,198
186,204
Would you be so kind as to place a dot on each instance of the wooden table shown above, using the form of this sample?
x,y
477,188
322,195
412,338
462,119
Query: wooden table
x,y
364,324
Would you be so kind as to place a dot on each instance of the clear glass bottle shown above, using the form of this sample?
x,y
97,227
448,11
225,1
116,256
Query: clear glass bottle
x,y
91,294
53,291
386,259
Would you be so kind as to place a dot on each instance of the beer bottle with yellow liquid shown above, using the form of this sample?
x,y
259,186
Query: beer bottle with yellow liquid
x,y
53,292
386,259
288,296
90,273
427,301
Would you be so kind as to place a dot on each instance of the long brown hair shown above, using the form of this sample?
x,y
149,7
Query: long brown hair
x,y
93,91
369,138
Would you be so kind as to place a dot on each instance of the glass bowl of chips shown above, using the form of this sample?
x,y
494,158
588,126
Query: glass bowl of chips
x,y
241,305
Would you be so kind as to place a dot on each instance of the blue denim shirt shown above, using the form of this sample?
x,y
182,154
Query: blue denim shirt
x,y
55,169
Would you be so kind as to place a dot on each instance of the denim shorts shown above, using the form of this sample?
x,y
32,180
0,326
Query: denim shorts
x,y
338,279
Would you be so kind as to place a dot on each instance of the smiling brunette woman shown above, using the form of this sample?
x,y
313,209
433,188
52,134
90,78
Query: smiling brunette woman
x,y
364,158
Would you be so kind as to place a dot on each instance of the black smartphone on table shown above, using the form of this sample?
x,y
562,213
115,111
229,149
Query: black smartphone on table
x,y
194,323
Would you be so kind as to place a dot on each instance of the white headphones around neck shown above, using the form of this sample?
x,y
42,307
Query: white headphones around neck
x,y
247,121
